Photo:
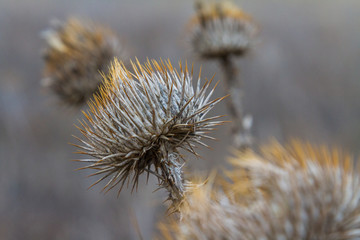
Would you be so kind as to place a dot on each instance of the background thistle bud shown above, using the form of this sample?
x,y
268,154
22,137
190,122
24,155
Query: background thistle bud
x,y
296,192
75,55
220,29
140,119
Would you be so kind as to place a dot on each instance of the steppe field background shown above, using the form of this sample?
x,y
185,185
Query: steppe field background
x,y
302,80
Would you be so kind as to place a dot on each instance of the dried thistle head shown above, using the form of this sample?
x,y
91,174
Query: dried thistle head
x,y
307,192
221,29
297,192
75,54
139,121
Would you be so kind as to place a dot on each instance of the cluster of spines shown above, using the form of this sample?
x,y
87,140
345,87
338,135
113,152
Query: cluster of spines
x,y
220,29
75,54
139,119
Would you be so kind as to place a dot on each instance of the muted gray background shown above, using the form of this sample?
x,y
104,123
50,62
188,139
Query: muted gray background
x,y
302,80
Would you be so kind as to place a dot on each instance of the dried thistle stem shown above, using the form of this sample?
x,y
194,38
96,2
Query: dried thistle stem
x,y
220,30
240,131
173,178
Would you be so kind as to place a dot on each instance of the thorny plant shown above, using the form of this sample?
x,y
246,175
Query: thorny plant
x,y
76,52
139,121
220,31
293,192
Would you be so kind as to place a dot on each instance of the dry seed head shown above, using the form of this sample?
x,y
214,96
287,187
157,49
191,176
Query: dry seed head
x,y
141,118
75,54
220,29
297,192
307,192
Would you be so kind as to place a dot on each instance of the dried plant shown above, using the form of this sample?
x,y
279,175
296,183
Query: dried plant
x,y
75,55
139,121
219,31
293,192
205,214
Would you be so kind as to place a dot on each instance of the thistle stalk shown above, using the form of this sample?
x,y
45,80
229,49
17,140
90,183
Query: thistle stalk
x,y
173,178
240,131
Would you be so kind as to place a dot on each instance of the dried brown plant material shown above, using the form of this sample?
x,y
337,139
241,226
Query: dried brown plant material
x,y
140,120
220,29
296,192
206,213
75,55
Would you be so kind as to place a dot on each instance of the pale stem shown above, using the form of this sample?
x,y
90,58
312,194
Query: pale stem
x,y
172,177
241,132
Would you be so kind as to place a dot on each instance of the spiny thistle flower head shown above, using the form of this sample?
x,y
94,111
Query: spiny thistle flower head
x,y
220,29
297,192
76,52
140,119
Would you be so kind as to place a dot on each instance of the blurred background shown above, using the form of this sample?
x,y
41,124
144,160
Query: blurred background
x,y
302,80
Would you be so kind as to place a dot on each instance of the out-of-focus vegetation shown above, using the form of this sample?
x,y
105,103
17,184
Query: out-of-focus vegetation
x,y
302,80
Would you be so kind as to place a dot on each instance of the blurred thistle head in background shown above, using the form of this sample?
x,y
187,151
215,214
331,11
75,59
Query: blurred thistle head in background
x,y
75,55
220,29
293,192
307,193
140,119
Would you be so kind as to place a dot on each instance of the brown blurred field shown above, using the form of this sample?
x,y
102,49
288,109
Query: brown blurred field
x,y
302,80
